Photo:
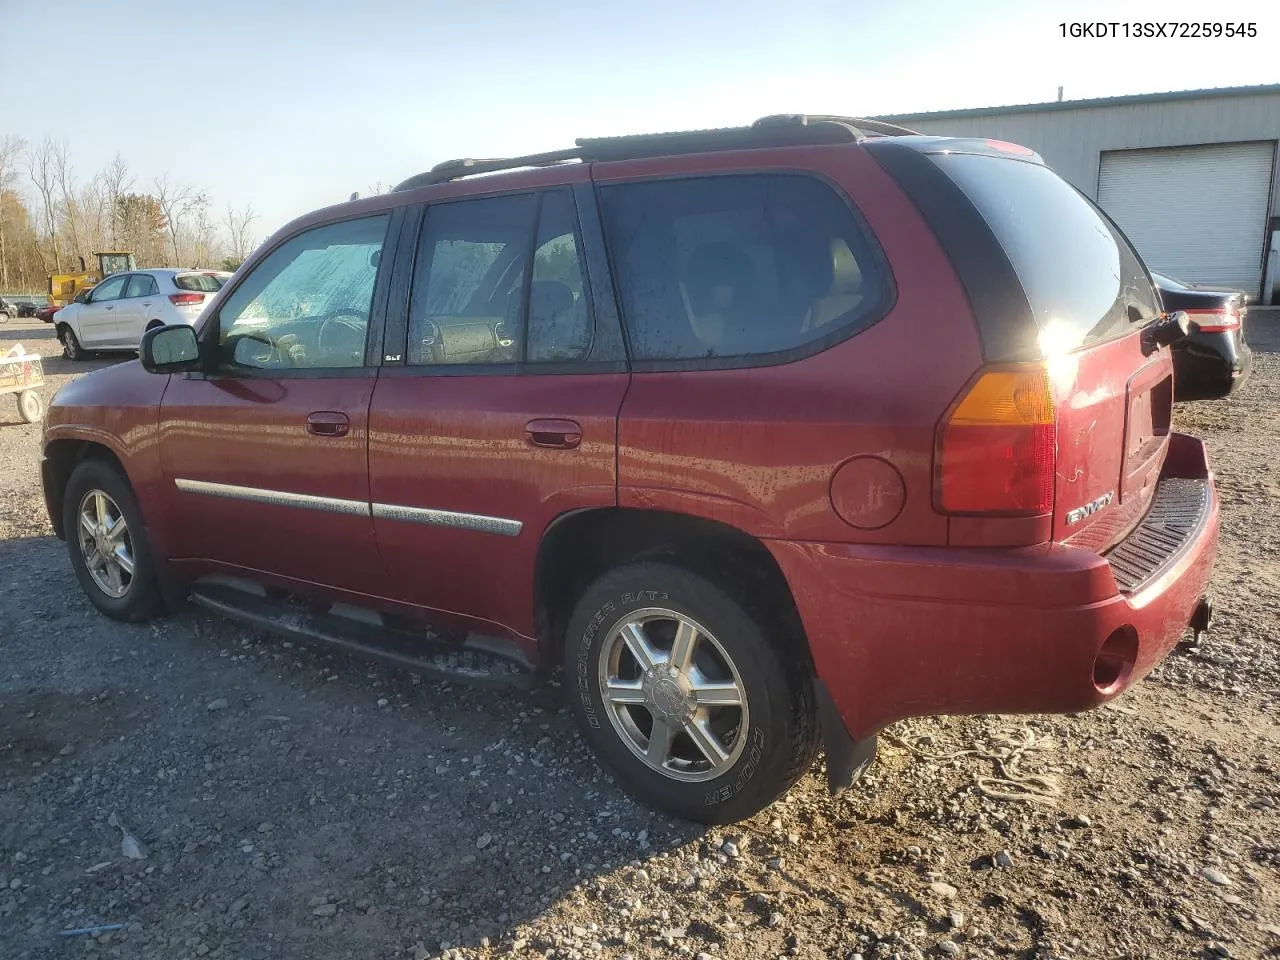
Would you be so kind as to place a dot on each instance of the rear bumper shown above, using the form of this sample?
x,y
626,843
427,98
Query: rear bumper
x,y
916,631
1205,371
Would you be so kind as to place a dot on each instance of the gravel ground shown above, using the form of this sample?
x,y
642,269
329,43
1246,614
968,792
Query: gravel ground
x,y
290,802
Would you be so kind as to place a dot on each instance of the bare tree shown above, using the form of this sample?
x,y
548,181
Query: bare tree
x,y
116,182
176,201
202,237
40,165
66,180
239,225
11,149
95,212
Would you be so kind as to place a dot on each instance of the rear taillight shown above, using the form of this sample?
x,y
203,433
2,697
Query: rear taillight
x,y
185,299
997,446
1216,321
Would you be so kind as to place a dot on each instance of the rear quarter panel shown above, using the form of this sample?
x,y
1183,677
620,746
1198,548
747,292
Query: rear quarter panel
x,y
757,448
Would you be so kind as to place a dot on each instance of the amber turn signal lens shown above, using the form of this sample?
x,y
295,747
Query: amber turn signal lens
x,y
997,449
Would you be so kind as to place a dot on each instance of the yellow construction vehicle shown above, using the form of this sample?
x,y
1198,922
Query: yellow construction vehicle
x,y
63,287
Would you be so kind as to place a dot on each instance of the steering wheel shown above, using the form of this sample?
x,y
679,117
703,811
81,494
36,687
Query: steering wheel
x,y
275,357
349,327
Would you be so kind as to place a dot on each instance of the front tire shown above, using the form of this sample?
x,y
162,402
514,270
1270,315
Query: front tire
x,y
681,694
71,348
108,544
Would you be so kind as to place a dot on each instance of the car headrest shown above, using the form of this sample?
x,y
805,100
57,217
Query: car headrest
x,y
549,298
846,278
716,264
808,264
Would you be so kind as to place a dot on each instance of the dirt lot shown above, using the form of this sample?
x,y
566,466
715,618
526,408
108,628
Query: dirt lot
x,y
295,803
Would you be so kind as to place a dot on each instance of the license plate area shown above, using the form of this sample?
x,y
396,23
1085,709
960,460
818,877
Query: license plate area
x,y
1149,407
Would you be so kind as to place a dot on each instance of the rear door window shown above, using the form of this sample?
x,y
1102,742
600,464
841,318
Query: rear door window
x,y
740,269
141,285
467,300
559,313
1082,278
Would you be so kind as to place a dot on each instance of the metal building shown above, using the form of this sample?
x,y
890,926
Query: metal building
x,y
1190,176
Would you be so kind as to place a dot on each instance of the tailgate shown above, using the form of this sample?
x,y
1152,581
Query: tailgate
x,y
1114,405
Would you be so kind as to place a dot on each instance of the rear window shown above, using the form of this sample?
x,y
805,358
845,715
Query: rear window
x,y
201,282
739,269
1082,279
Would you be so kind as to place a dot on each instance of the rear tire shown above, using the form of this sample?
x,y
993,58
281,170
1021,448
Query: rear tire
x,y
674,737
108,545
71,348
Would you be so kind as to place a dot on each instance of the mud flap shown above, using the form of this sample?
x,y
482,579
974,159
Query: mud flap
x,y
846,758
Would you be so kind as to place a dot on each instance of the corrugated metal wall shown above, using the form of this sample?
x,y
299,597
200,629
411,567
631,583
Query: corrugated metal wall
x,y
1072,139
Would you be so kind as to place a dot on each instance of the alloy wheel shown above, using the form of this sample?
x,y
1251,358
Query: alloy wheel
x,y
105,543
673,694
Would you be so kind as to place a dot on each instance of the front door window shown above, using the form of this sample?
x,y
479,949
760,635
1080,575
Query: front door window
x,y
109,289
307,304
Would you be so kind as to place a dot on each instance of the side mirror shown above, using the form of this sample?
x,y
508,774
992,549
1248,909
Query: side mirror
x,y
170,349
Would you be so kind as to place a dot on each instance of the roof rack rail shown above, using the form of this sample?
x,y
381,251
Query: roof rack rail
x,y
640,145
863,125
779,130
468,167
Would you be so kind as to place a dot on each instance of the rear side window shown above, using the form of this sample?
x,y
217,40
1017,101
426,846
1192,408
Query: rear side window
x,y
733,269
200,282
1082,279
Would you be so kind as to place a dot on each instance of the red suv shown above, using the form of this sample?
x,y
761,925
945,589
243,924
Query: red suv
x,y
771,436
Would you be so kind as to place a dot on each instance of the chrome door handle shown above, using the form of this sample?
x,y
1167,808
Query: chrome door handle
x,y
558,434
327,423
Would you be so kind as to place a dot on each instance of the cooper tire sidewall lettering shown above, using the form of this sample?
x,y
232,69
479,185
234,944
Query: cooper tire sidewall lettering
x,y
747,766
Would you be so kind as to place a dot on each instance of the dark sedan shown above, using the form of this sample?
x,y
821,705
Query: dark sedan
x,y
1213,360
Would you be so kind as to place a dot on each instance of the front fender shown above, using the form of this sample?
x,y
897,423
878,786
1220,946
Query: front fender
x,y
115,410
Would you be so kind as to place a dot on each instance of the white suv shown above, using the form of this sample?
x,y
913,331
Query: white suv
x,y
116,313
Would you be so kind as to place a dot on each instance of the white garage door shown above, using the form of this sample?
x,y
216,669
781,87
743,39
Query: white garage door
x,y
1195,213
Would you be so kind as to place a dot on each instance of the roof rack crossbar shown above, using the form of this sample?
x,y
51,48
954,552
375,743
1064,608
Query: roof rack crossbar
x,y
779,130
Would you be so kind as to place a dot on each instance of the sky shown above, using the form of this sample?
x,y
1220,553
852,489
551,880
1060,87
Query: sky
x,y
289,106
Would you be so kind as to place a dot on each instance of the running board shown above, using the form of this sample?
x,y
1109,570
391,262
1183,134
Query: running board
x,y
364,633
